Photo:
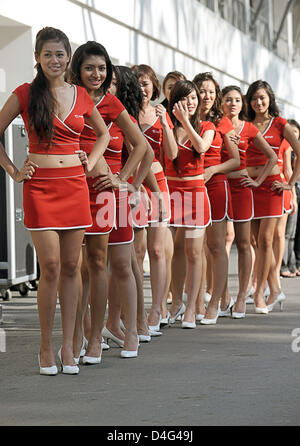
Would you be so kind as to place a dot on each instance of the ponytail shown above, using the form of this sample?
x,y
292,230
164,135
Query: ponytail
x,y
41,105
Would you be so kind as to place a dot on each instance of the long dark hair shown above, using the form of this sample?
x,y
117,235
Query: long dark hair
x,y
243,115
128,90
41,101
181,90
215,114
90,48
273,108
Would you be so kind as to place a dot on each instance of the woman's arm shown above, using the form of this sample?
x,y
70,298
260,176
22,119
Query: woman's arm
x,y
102,139
267,150
9,112
229,165
144,167
180,112
294,143
136,139
169,144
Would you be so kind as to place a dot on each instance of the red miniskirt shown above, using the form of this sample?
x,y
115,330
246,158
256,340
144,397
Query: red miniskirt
x,y
57,199
103,209
268,203
220,198
153,215
122,233
190,205
242,200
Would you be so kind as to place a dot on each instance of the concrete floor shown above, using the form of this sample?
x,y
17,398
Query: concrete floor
x,y
236,373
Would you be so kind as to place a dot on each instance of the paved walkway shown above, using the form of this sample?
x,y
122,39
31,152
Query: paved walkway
x,y
238,372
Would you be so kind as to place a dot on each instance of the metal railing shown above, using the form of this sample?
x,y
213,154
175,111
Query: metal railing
x,y
249,21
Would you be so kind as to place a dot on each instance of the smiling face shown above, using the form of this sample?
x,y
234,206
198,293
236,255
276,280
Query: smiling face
x,y
260,101
191,101
93,72
207,92
232,103
53,59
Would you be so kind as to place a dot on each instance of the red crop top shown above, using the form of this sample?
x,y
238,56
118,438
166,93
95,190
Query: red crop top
x,y
248,132
213,155
273,135
154,135
109,108
188,161
66,133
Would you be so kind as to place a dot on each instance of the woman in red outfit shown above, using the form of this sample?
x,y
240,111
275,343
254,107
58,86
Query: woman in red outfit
x,y
190,208
91,67
56,200
234,107
157,128
218,190
268,197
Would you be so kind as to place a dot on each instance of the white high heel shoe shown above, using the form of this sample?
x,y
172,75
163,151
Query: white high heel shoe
x,y
236,315
223,313
179,313
49,371
104,345
279,299
67,369
130,353
209,321
108,335
82,350
185,324
91,360
155,327
260,310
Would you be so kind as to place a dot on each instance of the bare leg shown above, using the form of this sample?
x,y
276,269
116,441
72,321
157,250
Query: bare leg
x,y
48,251
156,250
178,269
193,251
216,244
242,237
200,304
70,246
169,249
97,257
120,261
279,243
140,246
263,231
142,324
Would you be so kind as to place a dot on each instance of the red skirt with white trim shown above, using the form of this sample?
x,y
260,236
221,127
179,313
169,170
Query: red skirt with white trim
x,y
56,199
103,209
242,200
220,198
190,205
122,233
268,203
